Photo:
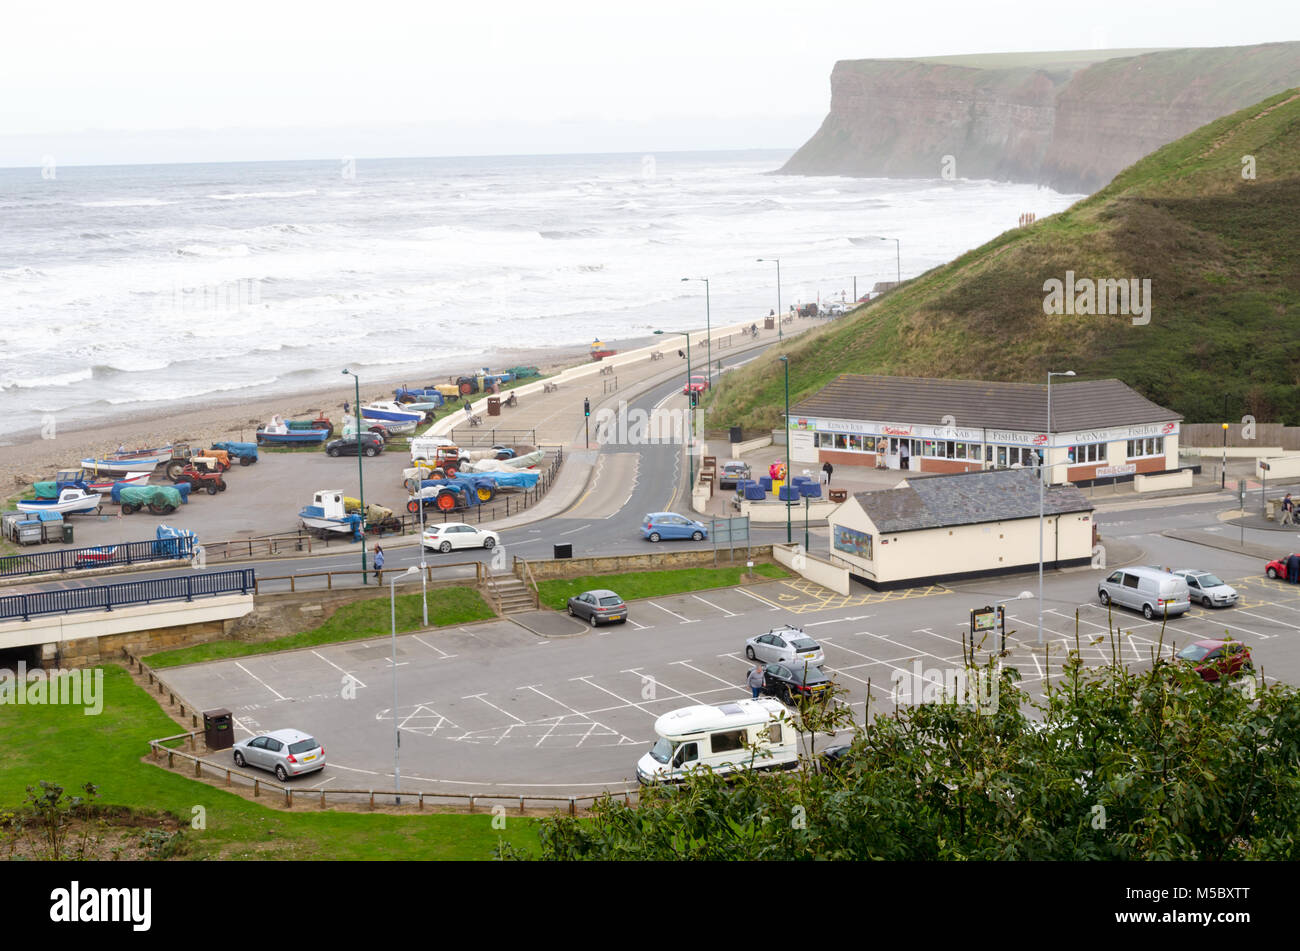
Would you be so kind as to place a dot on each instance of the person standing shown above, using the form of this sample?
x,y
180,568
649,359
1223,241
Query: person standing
x,y
827,469
1288,510
904,453
379,564
1293,569
755,680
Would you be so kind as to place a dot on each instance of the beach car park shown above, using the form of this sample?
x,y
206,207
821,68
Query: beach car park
x,y
716,737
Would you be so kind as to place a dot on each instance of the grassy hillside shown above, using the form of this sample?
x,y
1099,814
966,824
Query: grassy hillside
x,y
1222,255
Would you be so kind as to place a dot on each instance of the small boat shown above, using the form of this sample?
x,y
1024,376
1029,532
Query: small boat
x,y
278,432
527,461
328,515
69,502
88,480
122,461
387,411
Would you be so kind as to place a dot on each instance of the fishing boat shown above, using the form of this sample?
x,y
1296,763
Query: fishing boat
x,y
278,432
328,515
526,461
124,461
387,411
69,502
86,479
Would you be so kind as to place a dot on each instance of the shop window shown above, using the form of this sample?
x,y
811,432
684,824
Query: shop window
x,y
868,443
841,441
961,451
855,443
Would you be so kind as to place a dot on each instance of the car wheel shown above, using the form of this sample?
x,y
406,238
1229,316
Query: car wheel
x,y
571,614
370,451
239,759
489,542
1272,573
593,620
280,773
334,453
1147,612
1104,598
654,536
444,547
749,652
697,536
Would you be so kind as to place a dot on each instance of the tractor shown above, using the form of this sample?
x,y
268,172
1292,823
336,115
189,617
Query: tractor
x,y
199,479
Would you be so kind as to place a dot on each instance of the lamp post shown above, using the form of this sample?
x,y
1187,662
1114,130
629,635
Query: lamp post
x,y
397,735
361,479
1022,596
1223,476
898,256
779,313
1043,468
690,460
785,360
708,325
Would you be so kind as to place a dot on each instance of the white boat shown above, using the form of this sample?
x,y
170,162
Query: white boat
x,y
328,514
133,461
386,411
526,461
69,502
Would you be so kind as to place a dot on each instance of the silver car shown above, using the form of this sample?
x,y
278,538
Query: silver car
x,y
785,645
284,752
1154,592
1205,588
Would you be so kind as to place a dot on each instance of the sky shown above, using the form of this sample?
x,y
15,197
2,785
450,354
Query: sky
x,y
130,82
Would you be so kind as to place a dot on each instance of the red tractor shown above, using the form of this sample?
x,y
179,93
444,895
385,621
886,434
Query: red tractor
x,y
199,479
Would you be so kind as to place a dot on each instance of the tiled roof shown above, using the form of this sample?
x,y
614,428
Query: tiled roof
x,y
1076,404
966,498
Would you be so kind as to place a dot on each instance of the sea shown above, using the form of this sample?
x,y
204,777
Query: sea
x,y
147,288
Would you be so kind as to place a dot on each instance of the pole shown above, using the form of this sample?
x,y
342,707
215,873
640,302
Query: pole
x,y
1041,495
708,325
806,501
786,360
780,332
1223,476
397,736
361,476
690,458
424,573
898,262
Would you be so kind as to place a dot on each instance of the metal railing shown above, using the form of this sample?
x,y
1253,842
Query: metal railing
x,y
264,581
471,437
185,587
106,556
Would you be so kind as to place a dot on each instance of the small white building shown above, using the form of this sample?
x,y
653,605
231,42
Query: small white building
x,y
944,528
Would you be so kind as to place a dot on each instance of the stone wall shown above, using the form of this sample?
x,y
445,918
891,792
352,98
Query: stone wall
x,y
663,560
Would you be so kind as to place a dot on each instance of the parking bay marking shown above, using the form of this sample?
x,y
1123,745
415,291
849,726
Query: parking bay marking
x,y
712,605
278,695
441,653
353,677
770,605
674,614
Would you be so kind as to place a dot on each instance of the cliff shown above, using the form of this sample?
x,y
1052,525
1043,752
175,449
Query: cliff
x,y
1069,120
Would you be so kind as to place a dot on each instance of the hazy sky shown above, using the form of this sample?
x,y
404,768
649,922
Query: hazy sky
x,y
152,81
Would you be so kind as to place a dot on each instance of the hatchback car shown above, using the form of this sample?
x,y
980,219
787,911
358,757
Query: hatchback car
x,y
597,606
372,444
284,752
659,525
791,682
785,645
732,472
451,535
1204,588
1215,659
698,384
1277,569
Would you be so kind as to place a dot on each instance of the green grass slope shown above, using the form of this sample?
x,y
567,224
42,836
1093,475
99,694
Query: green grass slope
x,y
1222,254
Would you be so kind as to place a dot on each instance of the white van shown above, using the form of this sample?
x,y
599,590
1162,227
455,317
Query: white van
x,y
716,737
1154,592
426,447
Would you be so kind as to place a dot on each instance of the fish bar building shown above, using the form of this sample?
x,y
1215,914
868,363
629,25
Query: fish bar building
x,y
1100,429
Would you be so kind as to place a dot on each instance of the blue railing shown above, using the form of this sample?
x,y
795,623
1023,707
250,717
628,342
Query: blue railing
x,y
106,597
69,559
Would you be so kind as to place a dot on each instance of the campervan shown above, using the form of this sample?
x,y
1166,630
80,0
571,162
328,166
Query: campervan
x,y
726,737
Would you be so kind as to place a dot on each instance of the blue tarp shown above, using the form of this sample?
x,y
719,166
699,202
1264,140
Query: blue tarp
x,y
238,449
174,542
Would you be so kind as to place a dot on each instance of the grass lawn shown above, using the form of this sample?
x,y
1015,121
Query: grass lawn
x,y
556,592
63,745
360,619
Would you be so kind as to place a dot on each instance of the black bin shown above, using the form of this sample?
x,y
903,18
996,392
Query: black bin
x,y
564,551
736,435
218,730
494,406
67,533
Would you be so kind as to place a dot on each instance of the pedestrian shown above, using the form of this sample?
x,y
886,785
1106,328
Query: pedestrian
x,y
755,680
681,354
1288,510
904,452
346,408
379,564
1293,569
827,469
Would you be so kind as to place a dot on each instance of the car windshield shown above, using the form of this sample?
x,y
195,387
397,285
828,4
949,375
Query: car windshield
x,y
663,750
303,746
804,644
611,602
1208,581
1194,652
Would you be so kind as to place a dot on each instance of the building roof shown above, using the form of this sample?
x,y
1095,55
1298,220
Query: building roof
x,y
966,498
1076,404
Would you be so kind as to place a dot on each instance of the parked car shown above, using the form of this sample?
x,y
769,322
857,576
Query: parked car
x,y
698,384
598,605
732,471
1277,569
659,525
789,682
785,645
1154,592
451,535
372,444
283,752
1217,659
1206,589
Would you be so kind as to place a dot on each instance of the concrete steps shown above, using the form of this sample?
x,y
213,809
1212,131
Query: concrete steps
x,y
511,594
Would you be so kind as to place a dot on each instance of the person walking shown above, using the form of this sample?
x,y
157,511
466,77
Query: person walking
x,y
379,564
827,469
1288,510
755,680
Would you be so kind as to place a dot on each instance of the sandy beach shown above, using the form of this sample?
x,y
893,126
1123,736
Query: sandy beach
x,y
33,458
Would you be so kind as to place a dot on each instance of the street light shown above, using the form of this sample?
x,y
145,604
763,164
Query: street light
x,y
397,735
1044,462
1223,475
898,254
779,312
786,361
690,460
361,479
708,324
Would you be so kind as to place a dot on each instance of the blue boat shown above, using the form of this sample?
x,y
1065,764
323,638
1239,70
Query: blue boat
x,y
277,432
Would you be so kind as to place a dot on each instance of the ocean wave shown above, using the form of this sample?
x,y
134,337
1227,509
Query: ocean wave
x,y
128,364
36,382
235,196
21,273
125,203
569,235
178,392
214,251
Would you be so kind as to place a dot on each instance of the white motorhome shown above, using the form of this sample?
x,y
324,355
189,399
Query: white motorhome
x,y
726,737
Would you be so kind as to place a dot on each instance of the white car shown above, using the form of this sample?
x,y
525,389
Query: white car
x,y
1206,589
451,535
785,645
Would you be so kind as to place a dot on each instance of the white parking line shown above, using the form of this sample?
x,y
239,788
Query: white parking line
x,y
278,695
639,627
659,683
1270,620
438,650
721,680
712,605
674,614
625,701
479,696
770,605
355,679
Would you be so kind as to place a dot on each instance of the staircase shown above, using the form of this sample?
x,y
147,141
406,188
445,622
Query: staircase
x,y
511,594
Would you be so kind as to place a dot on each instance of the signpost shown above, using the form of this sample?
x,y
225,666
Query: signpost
x,y
988,618
1241,499
1263,495
729,531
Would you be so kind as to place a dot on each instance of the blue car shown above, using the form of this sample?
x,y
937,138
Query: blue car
x,y
658,525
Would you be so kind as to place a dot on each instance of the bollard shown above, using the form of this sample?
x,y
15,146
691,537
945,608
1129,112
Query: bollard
x,y
227,777
471,804
322,799
257,790
422,802
288,797
521,805
198,766
573,808
372,799
170,759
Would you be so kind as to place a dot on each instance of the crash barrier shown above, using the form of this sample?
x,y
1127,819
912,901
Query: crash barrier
x,y
262,583
185,587
108,556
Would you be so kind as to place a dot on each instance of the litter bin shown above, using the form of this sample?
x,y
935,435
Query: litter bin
x,y
217,732
736,435
494,406
67,533
769,323
564,551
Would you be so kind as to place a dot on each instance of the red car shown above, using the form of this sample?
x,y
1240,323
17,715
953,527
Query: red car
x,y
1213,659
1277,569
698,384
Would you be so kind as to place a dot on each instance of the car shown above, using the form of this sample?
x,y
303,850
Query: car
x,y
1206,589
785,645
787,682
1277,569
834,758
283,752
1217,659
1154,592
659,525
698,384
451,535
372,444
732,471
598,605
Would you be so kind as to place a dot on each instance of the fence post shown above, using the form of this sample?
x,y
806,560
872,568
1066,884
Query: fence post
x,y
257,791
189,587
573,809
471,803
